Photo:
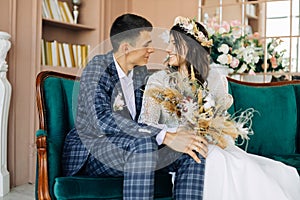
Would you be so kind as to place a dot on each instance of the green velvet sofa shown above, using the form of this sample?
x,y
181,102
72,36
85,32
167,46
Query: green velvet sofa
x,y
276,123
56,101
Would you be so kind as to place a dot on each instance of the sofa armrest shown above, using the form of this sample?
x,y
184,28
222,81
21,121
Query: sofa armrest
x,y
43,186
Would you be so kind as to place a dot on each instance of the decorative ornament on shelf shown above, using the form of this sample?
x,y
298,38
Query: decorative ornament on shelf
x,y
76,4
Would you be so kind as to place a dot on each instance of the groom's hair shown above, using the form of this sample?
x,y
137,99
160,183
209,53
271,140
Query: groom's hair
x,y
127,27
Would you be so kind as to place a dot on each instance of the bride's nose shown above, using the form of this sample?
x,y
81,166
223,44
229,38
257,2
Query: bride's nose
x,y
169,48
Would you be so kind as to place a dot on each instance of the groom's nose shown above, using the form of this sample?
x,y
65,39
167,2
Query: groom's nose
x,y
150,50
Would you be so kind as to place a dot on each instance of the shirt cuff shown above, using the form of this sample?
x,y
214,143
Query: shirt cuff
x,y
162,134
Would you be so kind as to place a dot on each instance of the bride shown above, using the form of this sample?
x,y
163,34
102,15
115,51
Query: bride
x,y
230,172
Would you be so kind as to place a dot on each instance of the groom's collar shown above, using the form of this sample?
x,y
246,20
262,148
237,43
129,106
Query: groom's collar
x,y
120,71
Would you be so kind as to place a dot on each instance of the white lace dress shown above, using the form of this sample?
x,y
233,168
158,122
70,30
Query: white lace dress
x,y
230,173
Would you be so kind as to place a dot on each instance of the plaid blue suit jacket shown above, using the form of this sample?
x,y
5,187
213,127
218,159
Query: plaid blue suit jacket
x,y
99,86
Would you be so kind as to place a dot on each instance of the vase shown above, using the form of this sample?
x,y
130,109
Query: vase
x,y
258,78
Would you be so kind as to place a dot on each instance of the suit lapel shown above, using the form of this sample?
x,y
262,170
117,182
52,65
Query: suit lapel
x,y
139,75
139,86
116,90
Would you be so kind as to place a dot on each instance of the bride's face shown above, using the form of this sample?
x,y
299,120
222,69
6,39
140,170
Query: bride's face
x,y
174,58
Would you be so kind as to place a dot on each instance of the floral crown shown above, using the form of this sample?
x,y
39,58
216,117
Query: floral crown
x,y
190,26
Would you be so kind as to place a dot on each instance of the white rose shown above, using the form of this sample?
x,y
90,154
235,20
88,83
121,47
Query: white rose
x,y
224,48
189,27
223,59
256,59
248,55
210,31
222,30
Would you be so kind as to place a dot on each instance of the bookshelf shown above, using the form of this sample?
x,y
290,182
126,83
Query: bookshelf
x,y
72,71
59,32
252,10
52,22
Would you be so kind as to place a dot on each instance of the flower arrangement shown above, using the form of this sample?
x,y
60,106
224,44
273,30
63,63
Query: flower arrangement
x,y
194,107
243,53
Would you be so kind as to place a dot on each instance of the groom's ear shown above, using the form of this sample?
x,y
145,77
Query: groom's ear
x,y
124,48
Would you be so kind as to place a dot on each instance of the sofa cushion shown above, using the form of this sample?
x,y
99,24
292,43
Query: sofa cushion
x,y
77,187
275,123
59,113
297,92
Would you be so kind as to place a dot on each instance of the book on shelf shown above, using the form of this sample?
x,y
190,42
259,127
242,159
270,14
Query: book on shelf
x,y
62,12
72,55
57,10
63,54
49,53
84,54
67,55
67,11
55,53
45,10
79,56
75,54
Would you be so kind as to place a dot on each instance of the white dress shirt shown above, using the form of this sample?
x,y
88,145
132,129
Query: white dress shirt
x,y
128,90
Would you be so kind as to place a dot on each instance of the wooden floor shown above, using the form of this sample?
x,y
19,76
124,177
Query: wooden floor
x,y
23,192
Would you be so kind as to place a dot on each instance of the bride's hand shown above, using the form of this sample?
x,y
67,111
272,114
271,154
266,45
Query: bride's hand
x,y
186,141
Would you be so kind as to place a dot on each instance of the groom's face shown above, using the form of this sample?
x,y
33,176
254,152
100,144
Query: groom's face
x,y
139,53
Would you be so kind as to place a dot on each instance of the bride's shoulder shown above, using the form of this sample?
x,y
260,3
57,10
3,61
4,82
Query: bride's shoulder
x,y
159,74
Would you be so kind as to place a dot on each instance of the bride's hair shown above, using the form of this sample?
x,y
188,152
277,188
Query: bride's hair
x,y
196,54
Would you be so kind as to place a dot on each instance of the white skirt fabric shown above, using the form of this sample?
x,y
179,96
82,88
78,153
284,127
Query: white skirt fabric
x,y
233,174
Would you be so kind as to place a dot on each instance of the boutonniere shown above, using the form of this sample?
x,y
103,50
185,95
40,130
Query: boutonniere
x,y
119,102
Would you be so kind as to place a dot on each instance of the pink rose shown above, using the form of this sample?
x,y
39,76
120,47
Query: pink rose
x,y
234,63
273,62
251,72
216,27
235,23
256,35
226,26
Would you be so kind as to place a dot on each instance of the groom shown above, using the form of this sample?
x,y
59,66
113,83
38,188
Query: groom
x,y
108,141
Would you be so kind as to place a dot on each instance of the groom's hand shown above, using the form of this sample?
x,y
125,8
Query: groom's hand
x,y
186,141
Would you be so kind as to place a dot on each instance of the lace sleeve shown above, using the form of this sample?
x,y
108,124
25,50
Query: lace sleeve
x,y
217,82
151,110
218,87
